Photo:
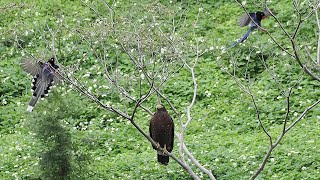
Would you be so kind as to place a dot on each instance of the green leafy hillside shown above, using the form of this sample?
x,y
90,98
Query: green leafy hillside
x,y
240,90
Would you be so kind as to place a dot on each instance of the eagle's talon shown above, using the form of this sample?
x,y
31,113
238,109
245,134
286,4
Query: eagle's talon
x,y
165,151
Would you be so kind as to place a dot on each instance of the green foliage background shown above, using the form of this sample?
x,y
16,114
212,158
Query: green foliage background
x,y
224,135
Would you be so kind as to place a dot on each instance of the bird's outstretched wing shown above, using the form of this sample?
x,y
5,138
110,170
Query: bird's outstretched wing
x,y
267,12
245,19
32,67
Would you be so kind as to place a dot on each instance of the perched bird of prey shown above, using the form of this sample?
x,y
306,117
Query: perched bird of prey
x,y
245,20
162,132
44,76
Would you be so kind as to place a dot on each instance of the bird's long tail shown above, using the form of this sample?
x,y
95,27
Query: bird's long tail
x,y
243,38
40,87
163,159
32,103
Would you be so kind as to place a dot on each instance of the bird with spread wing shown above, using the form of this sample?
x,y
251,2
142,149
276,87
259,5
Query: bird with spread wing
x,y
245,20
44,76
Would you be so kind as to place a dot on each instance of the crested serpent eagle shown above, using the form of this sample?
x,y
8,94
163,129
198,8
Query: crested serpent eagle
x,y
162,132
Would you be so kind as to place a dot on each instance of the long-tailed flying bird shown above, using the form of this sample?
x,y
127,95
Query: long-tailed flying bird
x,y
44,76
245,20
162,132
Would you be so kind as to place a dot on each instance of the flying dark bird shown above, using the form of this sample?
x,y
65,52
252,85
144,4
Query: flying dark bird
x,y
162,132
245,20
44,76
